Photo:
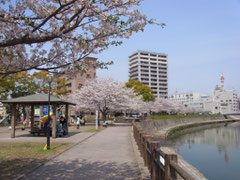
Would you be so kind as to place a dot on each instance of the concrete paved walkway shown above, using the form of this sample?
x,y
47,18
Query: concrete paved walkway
x,y
107,155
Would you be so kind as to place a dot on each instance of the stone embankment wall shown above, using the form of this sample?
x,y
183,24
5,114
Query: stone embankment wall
x,y
154,126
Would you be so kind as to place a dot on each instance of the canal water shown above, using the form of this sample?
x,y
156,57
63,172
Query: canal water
x,y
214,151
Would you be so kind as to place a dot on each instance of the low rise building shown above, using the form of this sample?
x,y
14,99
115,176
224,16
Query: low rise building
x,y
75,82
221,101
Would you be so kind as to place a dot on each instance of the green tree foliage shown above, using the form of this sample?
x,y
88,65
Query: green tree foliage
x,y
58,86
141,89
16,85
23,84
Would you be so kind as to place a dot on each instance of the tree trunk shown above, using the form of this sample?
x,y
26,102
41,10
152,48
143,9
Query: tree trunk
x,y
27,115
104,116
24,113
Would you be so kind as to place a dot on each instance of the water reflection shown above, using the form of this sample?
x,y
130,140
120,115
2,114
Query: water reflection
x,y
215,152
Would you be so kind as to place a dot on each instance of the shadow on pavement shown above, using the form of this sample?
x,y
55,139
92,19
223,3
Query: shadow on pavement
x,y
27,134
85,170
11,169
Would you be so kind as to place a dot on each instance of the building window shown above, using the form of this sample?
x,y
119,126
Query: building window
x,y
162,56
154,84
153,59
152,67
143,62
145,54
160,64
144,66
88,76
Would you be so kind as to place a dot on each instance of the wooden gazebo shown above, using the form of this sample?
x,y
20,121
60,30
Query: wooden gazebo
x,y
37,100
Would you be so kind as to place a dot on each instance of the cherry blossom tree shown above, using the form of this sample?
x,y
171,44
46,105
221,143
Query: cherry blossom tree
x,y
104,95
161,105
51,35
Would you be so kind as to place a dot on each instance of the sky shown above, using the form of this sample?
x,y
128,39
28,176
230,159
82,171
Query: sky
x,y
201,38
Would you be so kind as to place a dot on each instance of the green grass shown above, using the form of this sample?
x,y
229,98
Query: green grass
x,y
17,158
91,120
160,117
92,130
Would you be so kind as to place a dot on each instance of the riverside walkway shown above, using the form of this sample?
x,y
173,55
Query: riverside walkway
x,y
107,155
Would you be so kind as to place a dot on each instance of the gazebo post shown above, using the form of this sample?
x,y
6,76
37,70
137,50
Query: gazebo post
x,y
54,121
13,120
40,117
32,117
67,116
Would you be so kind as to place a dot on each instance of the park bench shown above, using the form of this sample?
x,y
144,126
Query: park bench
x,y
108,123
37,131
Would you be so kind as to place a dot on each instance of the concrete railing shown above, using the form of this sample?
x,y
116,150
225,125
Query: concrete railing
x,y
162,165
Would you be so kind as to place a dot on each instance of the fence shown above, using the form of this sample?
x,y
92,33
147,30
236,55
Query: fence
x,y
162,165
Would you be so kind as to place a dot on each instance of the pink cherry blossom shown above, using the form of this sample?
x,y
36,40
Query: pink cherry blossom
x,y
57,35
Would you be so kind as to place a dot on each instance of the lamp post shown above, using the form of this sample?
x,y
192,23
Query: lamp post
x,y
48,125
96,119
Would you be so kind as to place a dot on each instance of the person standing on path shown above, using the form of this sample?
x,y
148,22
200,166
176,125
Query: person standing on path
x,y
78,122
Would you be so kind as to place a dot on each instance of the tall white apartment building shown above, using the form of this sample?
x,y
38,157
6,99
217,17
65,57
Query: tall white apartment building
x,y
151,69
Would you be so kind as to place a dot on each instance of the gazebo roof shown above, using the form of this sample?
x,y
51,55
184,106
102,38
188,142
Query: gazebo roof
x,y
37,99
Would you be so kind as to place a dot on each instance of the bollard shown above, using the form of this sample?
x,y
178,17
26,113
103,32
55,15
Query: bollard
x,y
141,133
154,168
149,158
142,143
167,171
146,138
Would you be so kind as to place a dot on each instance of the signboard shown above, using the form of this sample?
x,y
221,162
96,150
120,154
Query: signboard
x,y
44,111
162,160
37,111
